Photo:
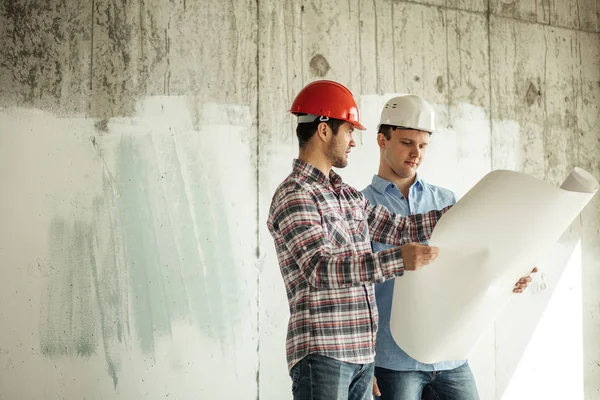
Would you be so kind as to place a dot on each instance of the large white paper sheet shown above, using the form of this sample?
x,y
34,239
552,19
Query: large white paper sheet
x,y
492,237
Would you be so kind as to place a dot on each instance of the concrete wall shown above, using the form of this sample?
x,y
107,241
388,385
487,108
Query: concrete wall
x,y
141,141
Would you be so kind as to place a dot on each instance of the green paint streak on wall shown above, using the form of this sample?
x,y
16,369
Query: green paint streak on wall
x,y
142,247
68,319
162,227
207,261
157,236
177,272
221,293
109,282
86,296
193,261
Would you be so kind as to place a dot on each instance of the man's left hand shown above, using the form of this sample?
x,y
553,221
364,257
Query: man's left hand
x,y
523,282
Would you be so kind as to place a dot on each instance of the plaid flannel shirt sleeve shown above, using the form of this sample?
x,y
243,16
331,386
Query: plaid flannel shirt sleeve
x,y
389,228
296,218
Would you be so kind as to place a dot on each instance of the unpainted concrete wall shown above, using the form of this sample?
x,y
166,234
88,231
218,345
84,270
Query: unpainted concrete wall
x,y
141,141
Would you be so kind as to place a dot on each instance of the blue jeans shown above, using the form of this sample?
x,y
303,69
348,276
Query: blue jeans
x,y
318,377
453,384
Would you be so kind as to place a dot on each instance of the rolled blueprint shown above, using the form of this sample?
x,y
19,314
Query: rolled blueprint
x,y
492,237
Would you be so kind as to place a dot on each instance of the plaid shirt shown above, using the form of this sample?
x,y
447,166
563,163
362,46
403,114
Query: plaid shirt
x,y
323,230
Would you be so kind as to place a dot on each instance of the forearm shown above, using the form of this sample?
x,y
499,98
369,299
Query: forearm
x,y
323,270
394,229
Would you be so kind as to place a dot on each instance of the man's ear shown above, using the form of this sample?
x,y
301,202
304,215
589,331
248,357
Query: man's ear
x,y
323,131
381,141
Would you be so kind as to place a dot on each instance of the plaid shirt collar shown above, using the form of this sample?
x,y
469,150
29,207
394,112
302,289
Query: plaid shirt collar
x,y
303,168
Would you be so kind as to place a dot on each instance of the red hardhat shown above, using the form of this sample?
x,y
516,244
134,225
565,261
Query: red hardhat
x,y
327,99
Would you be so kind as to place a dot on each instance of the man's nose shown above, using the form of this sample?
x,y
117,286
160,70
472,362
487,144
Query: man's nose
x,y
415,152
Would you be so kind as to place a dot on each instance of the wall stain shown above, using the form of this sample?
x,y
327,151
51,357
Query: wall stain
x,y
40,62
439,84
508,8
533,94
319,65
101,125
33,53
100,58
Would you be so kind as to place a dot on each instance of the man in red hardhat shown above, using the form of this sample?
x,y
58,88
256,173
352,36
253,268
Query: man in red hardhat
x,y
323,230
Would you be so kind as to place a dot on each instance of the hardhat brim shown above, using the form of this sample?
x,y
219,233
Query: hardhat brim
x,y
358,126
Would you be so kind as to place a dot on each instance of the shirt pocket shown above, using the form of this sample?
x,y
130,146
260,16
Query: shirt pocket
x,y
360,227
337,230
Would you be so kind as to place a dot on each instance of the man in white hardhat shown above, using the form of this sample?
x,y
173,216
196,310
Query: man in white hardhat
x,y
405,127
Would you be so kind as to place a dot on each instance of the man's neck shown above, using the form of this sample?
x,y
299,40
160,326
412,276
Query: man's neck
x,y
315,159
403,184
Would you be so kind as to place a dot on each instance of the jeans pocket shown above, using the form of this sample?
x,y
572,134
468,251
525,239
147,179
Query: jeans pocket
x,y
295,375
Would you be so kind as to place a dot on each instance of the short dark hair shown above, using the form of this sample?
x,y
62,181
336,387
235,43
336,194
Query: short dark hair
x,y
306,130
386,130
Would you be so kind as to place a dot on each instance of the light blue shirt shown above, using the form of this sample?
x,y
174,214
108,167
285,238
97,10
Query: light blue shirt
x,y
422,197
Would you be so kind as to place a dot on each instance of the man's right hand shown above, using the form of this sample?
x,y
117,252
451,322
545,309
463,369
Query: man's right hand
x,y
416,255
376,391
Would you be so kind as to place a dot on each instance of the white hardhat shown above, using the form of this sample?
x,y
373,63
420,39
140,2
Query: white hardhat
x,y
408,111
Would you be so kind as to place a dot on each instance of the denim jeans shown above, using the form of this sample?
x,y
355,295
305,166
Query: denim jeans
x,y
318,377
453,384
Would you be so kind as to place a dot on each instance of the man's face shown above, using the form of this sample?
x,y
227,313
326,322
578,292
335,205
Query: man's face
x,y
340,145
404,151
